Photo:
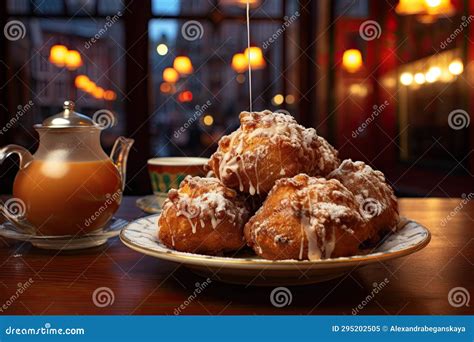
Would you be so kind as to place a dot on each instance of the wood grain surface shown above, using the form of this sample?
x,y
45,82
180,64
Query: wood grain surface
x,y
64,283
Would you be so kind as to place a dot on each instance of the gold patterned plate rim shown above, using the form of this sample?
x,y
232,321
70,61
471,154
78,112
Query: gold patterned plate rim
x,y
410,238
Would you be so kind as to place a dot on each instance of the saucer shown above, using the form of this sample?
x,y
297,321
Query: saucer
x,y
151,204
65,242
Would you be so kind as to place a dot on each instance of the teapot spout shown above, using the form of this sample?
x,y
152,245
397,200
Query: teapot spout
x,y
119,156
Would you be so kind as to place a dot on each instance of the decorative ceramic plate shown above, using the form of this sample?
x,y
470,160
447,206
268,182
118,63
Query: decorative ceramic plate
x,y
151,204
246,268
65,242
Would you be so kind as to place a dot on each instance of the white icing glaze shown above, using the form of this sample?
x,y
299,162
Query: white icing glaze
x,y
217,203
321,205
365,183
246,149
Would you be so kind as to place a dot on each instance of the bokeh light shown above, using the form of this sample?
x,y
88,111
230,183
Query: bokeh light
x,y
162,49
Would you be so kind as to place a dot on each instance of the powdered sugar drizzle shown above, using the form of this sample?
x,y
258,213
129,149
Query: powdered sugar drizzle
x,y
241,153
366,184
205,199
321,205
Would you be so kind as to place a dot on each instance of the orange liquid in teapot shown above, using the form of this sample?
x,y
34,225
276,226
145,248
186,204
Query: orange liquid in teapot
x,y
68,198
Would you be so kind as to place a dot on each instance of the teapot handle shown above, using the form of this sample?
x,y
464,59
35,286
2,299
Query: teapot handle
x,y
23,153
119,156
14,209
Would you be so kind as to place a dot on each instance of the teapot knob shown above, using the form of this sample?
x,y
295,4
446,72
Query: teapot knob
x,y
69,105
68,118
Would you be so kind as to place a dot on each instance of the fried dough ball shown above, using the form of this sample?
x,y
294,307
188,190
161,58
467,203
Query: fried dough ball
x,y
377,202
203,216
307,218
268,146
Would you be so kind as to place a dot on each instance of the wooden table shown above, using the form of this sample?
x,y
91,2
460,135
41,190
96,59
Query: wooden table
x,y
417,284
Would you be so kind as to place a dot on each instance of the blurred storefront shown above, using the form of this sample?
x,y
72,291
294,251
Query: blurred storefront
x,y
387,82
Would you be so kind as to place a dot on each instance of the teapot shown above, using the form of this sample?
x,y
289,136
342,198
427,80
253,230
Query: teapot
x,y
69,186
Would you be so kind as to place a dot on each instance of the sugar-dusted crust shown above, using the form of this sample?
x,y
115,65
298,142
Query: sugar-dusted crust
x,y
377,202
307,218
266,147
203,216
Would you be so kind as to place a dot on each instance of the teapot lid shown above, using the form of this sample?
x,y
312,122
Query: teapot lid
x,y
68,118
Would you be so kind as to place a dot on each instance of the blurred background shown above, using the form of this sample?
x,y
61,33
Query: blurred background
x,y
389,82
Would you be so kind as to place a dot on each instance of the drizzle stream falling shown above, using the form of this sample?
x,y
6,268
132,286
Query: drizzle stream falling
x,y
248,54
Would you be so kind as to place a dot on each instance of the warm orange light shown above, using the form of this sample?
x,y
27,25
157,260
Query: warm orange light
x,y
406,78
439,7
185,96
98,92
170,75
278,99
427,8
57,55
73,60
90,87
352,60
110,95
255,56
427,19
239,63
419,78
183,65
290,99
410,7
208,120
433,74
456,67
81,81
165,88
242,3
